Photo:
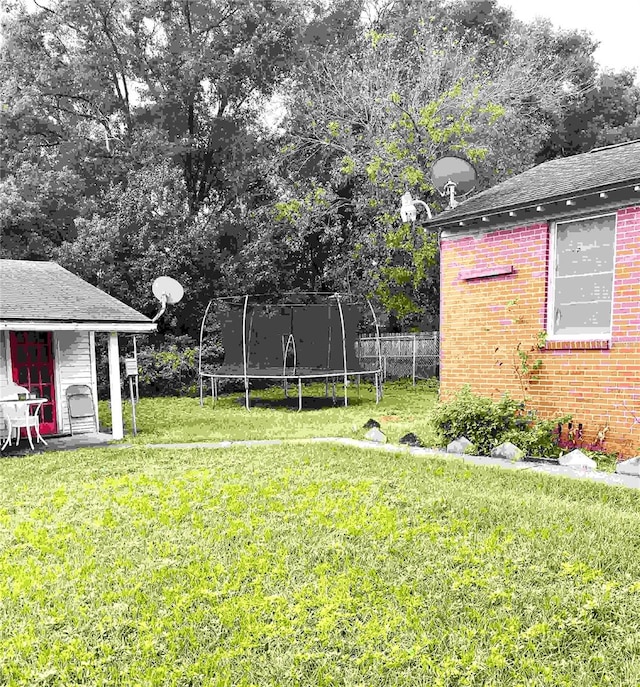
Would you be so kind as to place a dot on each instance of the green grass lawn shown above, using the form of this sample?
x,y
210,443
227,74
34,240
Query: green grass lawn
x,y
403,409
312,565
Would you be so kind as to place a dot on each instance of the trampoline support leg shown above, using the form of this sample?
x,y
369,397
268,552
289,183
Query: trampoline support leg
x,y
333,392
299,394
358,385
201,399
246,396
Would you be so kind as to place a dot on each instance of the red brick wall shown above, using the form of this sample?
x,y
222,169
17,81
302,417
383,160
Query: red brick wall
x,y
598,386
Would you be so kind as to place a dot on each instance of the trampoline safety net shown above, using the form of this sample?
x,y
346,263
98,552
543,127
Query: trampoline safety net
x,y
293,341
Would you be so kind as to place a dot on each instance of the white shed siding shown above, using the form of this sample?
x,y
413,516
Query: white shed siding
x,y
5,377
75,364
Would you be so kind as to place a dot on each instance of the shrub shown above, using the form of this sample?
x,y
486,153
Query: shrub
x,y
482,420
536,438
488,423
166,369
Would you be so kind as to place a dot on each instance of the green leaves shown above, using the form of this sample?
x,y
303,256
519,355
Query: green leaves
x,y
348,165
288,210
488,423
376,37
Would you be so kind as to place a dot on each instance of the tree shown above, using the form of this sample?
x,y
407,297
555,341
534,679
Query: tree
x,y
595,115
130,136
368,121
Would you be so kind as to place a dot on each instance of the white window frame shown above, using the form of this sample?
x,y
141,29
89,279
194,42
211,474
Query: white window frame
x,y
551,281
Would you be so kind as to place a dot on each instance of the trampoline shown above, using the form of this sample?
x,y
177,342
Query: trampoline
x,y
308,336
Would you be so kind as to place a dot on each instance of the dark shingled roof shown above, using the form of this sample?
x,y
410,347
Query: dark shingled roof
x,y
598,170
46,291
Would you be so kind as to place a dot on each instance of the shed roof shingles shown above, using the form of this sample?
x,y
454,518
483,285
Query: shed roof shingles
x,y
36,291
596,170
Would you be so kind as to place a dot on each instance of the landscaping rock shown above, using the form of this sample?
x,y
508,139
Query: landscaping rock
x,y
629,467
577,459
369,424
376,435
411,440
459,445
508,451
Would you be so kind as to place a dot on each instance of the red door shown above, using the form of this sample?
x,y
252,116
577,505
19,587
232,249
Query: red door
x,y
32,363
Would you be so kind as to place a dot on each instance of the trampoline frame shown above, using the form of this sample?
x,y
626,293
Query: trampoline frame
x,y
246,375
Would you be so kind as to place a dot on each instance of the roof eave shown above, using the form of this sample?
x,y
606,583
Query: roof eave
x,y
454,222
30,325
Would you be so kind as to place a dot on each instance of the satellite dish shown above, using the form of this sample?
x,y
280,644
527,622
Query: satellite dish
x,y
169,288
167,291
451,175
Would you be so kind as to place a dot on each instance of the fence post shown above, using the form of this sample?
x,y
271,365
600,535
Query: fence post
x,y
413,366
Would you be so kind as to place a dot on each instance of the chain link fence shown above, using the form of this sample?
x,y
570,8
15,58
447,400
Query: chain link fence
x,y
415,356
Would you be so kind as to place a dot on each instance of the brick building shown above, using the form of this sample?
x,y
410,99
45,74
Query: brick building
x,y
547,263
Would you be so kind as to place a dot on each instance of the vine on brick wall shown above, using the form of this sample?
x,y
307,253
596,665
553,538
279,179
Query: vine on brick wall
x,y
523,362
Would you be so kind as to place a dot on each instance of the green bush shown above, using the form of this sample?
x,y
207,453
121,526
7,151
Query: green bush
x,y
482,420
166,369
488,423
537,438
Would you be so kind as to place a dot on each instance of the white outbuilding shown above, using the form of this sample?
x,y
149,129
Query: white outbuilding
x,y
48,321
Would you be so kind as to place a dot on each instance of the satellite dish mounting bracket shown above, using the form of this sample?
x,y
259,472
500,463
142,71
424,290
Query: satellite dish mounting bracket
x,y
408,209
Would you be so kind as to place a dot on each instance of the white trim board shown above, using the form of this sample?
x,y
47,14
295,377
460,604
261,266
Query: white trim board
x,y
46,326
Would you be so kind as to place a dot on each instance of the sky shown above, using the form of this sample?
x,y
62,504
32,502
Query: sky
x,y
615,23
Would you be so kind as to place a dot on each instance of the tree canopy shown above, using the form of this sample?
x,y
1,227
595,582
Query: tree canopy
x,y
136,139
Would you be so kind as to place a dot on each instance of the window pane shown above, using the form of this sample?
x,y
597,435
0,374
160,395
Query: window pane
x,y
583,318
586,246
597,287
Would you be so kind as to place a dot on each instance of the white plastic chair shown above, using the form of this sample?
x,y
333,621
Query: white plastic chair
x,y
17,415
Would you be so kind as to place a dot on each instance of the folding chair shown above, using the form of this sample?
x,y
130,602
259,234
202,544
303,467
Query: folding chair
x,y
79,404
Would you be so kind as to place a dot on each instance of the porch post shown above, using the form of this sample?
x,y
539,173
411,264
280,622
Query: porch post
x,y
117,425
94,378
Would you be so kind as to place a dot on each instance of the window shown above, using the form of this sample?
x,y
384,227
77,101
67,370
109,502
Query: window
x,y
581,278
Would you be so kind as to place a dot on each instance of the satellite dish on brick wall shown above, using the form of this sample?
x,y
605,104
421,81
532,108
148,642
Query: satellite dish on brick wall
x,y
453,175
167,291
